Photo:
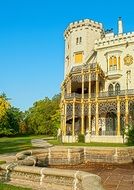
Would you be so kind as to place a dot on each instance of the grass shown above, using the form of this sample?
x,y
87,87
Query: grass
x,y
56,142
16,144
11,187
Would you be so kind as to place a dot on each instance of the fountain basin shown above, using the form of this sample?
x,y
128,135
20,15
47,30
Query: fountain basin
x,y
74,156
49,178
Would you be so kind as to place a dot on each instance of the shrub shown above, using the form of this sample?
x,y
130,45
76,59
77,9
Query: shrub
x,y
130,135
2,162
81,138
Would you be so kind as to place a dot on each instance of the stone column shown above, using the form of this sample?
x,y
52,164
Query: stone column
x,y
97,85
126,110
118,116
97,118
62,93
73,123
69,90
89,117
65,115
68,84
82,84
82,105
96,100
82,117
89,86
62,116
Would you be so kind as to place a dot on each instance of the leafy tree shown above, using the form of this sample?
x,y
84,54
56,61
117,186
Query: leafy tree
x,y
56,121
130,135
44,116
4,105
10,122
10,117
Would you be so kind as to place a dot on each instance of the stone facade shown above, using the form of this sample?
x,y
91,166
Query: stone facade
x,y
97,91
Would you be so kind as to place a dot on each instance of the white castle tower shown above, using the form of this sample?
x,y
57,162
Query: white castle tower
x,y
97,93
79,42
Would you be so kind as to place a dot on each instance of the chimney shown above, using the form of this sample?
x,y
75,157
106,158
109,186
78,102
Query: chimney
x,y
120,26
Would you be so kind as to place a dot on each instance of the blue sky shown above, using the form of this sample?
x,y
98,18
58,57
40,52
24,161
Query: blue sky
x,y
32,44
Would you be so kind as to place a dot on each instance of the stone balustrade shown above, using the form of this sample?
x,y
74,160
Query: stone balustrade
x,y
49,179
55,179
74,156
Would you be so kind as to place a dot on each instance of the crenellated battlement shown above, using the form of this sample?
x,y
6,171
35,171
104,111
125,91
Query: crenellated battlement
x,y
82,23
112,40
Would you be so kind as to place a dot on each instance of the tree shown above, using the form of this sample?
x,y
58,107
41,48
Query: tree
x,y
10,117
43,117
10,122
56,121
130,135
4,105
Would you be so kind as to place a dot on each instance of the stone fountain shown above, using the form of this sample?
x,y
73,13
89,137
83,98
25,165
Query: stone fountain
x,y
31,168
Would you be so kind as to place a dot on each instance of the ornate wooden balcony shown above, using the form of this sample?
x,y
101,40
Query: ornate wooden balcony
x,y
129,92
105,133
84,67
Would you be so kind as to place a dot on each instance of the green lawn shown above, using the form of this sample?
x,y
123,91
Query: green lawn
x,y
11,187
16,144
56,142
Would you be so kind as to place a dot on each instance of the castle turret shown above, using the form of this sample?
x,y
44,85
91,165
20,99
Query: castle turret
x,y
79,42
120,26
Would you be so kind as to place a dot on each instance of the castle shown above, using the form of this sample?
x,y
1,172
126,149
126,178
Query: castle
x,y
98,89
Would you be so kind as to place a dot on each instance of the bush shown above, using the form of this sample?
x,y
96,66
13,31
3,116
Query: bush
x,y
2,162
130,135
81,138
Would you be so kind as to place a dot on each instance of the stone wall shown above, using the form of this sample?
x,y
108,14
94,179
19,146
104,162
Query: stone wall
x,y
52,156
109,155
74,156
48,178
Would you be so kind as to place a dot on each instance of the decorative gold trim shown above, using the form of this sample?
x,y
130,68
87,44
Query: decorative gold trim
x,y
128,59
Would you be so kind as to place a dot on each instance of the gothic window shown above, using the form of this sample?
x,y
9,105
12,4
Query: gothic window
x,y
113,63
78,40
110,63
110,90
117,89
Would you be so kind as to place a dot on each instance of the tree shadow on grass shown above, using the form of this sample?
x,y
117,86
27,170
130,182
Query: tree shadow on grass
x,y
14,146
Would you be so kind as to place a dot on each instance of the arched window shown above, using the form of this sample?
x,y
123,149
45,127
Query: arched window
x,y
113,63
77,41
110,63
117,89
115,60
80,40
110,90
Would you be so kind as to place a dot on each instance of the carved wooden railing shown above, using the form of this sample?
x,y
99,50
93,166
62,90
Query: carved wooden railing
x,y
101,94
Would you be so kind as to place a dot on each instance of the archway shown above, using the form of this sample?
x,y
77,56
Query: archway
x,y
111,123
110,90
